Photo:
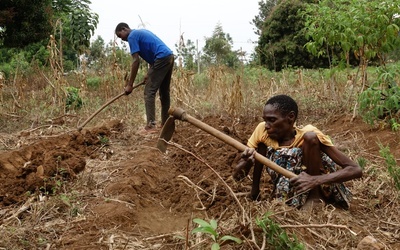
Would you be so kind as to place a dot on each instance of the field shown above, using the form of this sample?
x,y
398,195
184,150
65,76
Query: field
x,y
108,187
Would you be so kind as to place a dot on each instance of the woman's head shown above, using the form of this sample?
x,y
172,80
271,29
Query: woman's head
x,y
284,104
279,114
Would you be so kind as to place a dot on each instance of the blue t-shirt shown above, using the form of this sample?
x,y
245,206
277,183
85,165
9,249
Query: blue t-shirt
x,y
148,45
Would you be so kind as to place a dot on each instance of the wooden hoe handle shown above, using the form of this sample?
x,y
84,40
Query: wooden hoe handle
x,y
182,115
105,105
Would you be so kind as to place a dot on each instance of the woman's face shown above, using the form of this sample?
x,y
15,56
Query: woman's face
x,y
278,126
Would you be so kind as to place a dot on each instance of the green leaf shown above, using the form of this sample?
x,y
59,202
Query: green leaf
x,y
215,246
232,238
207,230
360,40
214,224
201,222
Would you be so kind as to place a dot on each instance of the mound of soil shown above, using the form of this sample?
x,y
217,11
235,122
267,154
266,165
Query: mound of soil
x,y
38,166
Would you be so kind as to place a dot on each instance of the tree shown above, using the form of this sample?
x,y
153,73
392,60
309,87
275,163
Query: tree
x,y
282,39
187,53
97,55
74,23
265,7
218,49
24,22
365,28
83,24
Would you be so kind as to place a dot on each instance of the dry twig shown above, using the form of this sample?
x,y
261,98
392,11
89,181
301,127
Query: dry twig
x,y
22,209
320,226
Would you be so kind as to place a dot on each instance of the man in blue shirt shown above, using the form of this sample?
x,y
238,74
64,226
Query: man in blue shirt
x,y
153,50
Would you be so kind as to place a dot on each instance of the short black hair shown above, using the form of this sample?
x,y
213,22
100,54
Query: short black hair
x,y
284,104
121,26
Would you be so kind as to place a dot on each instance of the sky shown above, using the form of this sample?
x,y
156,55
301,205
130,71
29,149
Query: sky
x,y
195,19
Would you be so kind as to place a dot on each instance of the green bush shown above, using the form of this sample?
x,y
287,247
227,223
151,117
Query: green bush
x,y
393,169
93,82
68,65
73,101
7,69
381,100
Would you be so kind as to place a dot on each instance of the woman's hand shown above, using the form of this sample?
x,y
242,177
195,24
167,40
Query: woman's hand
x,y
248,154
245,163
304,182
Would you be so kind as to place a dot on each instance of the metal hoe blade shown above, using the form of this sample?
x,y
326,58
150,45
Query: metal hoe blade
x,y
166,134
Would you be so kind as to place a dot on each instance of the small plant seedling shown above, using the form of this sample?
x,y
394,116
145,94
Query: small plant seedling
x,y
104,140
276,236
211,230
362,162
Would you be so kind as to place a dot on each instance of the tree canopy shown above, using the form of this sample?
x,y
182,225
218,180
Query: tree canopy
x,y
265,8
364,28
77,21
282,38
24,22
218,49
29,28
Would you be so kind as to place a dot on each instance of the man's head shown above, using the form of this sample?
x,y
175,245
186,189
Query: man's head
x,y
280,113
122,31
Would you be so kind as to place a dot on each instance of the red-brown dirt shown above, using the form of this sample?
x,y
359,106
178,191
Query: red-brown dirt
x,y
128,195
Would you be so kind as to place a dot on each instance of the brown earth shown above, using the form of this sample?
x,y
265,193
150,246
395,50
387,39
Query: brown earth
x,y
126,194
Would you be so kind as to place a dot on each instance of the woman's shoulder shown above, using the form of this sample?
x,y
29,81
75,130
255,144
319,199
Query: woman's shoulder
x,y
308,128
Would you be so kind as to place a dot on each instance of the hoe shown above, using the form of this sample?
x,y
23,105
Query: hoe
x,y
178,113
105,105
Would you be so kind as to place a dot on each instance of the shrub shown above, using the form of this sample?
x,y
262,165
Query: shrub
x,y
93,82
381,100
73,101
390,160
276,236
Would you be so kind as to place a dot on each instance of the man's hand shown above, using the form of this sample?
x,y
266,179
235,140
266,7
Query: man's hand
x,y
145,79
304,182
128,89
